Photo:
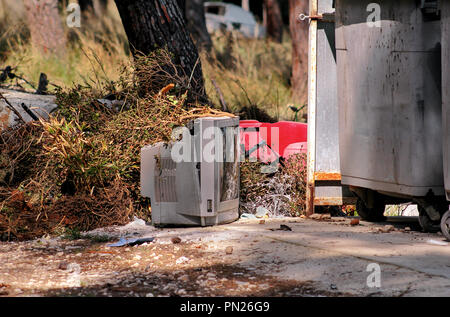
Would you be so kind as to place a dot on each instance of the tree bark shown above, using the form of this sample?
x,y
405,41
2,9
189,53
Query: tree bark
x,y
152,25
100,7
274,21
299,34
96,7
196,22
86,6
46,28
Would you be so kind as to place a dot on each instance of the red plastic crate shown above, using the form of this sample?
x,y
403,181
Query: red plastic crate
x,y
285,138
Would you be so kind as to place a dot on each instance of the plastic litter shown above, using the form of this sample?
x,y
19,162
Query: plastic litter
x,y
130,242
262,212
181,260
435,242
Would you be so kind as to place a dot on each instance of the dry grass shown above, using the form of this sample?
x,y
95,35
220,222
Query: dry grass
x,y
282,193
80,169
251,74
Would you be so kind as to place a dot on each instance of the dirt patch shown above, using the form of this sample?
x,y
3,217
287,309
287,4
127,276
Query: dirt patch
x,y
86,268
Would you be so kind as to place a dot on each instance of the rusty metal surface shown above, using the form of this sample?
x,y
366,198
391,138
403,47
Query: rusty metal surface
x,y
312,85
323,176
334,201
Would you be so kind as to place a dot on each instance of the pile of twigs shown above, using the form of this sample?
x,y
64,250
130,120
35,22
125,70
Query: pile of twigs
x,y
80,168
282,193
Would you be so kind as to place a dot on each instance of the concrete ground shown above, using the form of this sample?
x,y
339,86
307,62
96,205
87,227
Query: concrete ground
x,y
246,258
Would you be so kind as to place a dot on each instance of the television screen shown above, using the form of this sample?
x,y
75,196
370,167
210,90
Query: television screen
x,y
229,167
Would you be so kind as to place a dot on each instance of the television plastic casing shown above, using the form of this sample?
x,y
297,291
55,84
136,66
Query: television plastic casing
x,y
198,191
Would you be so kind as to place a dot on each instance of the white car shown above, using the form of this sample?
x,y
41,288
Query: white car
x,y
230,17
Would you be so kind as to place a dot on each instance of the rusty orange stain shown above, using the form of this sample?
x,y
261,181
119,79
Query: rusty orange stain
x,y
321,176
334,201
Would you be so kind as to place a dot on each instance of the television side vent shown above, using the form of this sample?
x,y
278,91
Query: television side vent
x,y
165,181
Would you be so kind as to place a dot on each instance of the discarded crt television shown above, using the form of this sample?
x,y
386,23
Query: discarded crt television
x,y
194,180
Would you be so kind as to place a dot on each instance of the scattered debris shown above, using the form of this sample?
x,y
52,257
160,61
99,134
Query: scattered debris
x,y
176,240
182,260
435,242
63,265
131,242
3,289
385,229
354,222
262,212
388,228
282,193
282,228
320,216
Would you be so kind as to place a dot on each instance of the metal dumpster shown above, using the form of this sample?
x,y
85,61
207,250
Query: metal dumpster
x,y
445,29
389,96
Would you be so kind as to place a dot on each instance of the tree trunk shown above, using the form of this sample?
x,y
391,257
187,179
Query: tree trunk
x,y
182,5
100,7
46,28
152,25
274,21
86,6
246,5
196,22
97,7
299,34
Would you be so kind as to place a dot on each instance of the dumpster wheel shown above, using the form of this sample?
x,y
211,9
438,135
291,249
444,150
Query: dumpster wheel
x,y
374,214
445,225
426,223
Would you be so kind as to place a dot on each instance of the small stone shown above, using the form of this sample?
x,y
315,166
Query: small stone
x,y
181,260
184,278
137,257
176,240
388,228
325,217
407,229
229,250
149,295
303,217
354,222
63,265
